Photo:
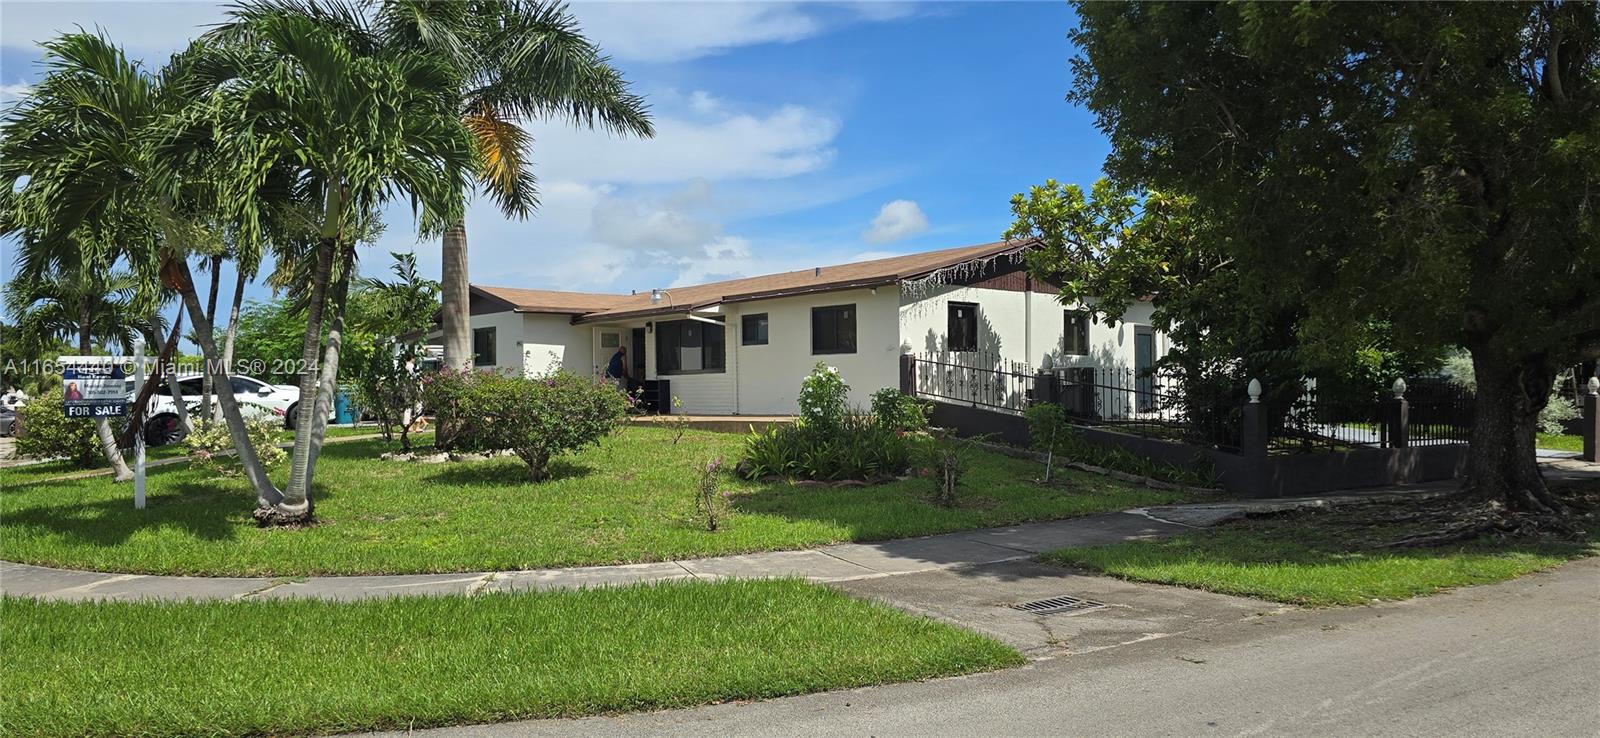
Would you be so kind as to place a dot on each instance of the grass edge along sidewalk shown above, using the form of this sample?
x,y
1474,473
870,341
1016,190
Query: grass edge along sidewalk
x,y
1323,558
629,500
160,669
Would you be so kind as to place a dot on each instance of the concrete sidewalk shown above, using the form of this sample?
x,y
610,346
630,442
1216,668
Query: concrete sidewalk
x,y
837,563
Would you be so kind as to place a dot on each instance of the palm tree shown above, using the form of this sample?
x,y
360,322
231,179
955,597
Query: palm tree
x,y
65,161
518,60
90,304
308,101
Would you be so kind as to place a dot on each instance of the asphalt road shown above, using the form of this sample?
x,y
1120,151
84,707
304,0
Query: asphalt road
x,y
1520,658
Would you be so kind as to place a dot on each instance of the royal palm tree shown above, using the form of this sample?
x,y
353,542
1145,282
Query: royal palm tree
x,y
518,60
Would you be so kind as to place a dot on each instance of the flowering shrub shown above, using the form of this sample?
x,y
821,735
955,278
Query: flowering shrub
x,y
535,418
823,396
209,443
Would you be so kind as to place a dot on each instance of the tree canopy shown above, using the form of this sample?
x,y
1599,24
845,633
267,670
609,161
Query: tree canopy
x,y
1430,169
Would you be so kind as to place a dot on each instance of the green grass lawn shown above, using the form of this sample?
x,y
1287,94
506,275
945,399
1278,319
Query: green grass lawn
x,y
628,500
1318,559
30,473
278,667
1559,442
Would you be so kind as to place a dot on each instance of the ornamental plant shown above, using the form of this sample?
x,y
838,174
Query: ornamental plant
x,y
823,400
535,418
44,432
209,444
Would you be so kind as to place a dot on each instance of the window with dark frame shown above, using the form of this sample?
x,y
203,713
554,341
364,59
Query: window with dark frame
x,y
753,330
962,334
1076,340
833,329
690,347
483,347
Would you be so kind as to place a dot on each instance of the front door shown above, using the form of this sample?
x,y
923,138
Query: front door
x,y
1144,364
636,354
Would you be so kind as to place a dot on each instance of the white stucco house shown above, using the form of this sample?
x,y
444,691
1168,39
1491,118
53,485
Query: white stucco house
x,y
742,346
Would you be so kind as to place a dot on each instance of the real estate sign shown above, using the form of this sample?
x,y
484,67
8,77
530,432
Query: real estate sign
x,y
93,386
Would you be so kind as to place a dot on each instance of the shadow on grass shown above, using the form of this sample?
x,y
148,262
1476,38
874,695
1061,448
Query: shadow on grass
x,y
213,508
504,471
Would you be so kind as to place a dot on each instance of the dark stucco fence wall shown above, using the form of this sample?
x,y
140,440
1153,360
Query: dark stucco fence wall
x,y
1286,475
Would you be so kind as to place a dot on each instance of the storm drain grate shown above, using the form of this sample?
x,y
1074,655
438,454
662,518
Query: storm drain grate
x,y
1057,604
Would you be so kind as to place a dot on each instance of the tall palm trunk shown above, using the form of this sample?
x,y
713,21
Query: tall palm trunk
x,y
178,403
267,495
296,502
102,426
328,382
233,324
206,385
454,293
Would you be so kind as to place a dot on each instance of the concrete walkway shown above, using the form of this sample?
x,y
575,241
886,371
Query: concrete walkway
x,y
837,563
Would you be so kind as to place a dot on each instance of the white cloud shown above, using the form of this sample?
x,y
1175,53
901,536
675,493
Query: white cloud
x,y
784,142
896,220
13,92
664,32
146,28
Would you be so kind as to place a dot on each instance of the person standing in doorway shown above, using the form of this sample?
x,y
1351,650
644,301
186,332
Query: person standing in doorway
x,y
617,370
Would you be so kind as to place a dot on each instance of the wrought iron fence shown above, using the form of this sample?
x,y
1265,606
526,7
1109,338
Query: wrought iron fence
x,y
1146,404
1439,411
979,379
1327,418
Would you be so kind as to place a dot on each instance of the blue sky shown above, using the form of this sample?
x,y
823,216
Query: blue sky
x,y
790,135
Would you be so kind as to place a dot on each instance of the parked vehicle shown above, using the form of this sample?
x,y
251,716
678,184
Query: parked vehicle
x,y
8,421
163,427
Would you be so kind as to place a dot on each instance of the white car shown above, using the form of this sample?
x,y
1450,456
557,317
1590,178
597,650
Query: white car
x,y
258,397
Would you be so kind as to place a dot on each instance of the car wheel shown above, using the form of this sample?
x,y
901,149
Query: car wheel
x,y
290,415
163,429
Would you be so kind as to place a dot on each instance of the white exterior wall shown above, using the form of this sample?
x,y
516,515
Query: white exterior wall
x,y
530,343
1026,328
710,393
769,376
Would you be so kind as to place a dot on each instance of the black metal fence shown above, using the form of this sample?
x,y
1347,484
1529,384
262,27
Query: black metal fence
x,y
1421,412
1298,418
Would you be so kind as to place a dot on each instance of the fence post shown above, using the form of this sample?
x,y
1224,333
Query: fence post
x,y
1399,417
908,374
1253,441
1591,422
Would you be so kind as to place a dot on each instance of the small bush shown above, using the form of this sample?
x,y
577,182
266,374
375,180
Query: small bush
x,y
708,504
899,411
823,399
828,442
535,418
947,458
209,443
1050,431
44,432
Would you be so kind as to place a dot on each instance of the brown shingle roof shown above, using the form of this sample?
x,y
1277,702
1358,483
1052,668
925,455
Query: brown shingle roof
x,y
597,307
551,301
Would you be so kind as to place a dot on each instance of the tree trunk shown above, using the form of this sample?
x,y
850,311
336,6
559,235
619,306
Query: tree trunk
x,y
233,324
102,426
1502,462
328,381
180,406
296,502
207,387
266,494
454,293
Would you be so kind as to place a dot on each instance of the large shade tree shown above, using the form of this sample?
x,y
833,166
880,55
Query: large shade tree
x,y
518,61
1432,168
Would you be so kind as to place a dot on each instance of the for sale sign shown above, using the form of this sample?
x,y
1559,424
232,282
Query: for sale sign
x,y
93,386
